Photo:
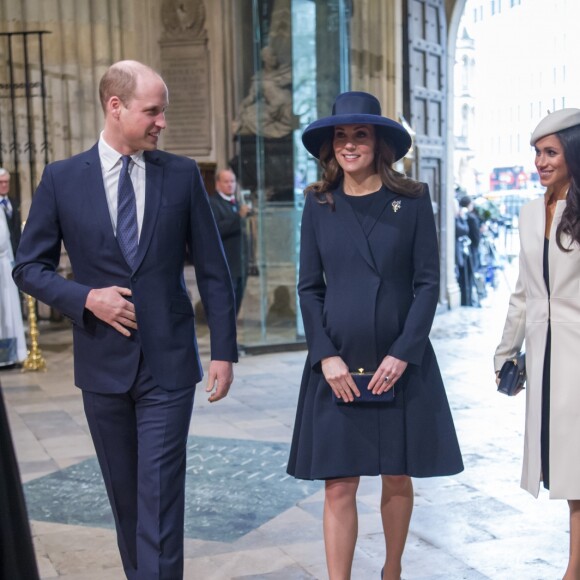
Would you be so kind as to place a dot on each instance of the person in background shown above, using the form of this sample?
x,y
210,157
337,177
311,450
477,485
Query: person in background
x,y
464,258
11,213
369,288
229,215
12,340
474,226
544,311
17,558
129,215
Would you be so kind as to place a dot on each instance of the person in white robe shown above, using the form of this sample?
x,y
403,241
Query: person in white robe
x,y
12,341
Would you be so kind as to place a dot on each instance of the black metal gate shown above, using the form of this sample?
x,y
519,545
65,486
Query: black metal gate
x,y
23,115
425,89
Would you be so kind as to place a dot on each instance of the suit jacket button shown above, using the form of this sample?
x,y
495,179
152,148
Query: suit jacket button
x,y
134,279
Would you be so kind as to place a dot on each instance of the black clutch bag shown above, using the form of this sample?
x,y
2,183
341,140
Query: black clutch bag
x,y
512,375
362,381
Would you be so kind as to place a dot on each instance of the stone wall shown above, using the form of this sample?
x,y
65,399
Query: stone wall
x,y
83,38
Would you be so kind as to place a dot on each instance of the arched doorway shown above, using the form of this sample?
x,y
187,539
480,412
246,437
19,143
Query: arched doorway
x,y
426,98
454,11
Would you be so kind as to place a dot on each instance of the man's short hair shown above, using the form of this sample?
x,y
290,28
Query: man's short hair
x,y
220,172
465,201
4,171
120,80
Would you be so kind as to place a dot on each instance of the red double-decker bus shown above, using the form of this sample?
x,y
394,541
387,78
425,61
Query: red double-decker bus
x,y
513,177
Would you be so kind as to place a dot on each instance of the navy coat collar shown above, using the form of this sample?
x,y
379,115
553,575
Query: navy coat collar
x,y
360,232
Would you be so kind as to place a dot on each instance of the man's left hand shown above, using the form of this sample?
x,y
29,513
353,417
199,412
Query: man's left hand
x,y
220,377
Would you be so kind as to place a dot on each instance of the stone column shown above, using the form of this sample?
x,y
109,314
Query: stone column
x,y
376,52
85,37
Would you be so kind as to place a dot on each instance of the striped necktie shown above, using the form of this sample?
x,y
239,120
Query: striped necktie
x,y
127,231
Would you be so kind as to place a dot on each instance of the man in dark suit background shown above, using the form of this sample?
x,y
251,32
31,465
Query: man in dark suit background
x,y
128,215
229,216
12,216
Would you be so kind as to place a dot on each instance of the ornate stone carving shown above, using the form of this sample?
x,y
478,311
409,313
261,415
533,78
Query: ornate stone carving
x,y
268,106
183,19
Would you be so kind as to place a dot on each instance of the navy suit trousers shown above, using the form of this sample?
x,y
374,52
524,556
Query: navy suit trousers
x,y
140,438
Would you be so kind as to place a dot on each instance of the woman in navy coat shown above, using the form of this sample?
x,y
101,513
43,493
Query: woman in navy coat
x,y
368,286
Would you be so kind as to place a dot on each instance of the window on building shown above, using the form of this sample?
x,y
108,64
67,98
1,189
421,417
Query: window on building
x,y
465,121
465,74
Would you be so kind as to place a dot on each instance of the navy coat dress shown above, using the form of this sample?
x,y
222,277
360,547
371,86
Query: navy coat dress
x,y
368,289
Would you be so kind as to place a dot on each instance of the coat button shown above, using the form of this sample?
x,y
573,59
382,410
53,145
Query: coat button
x,y
134,279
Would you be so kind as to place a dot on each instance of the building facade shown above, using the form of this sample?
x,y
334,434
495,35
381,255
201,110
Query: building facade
x,y
526,67
245,77
465,174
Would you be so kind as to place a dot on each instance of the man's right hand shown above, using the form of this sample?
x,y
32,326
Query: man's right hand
x,y
108,305
245,210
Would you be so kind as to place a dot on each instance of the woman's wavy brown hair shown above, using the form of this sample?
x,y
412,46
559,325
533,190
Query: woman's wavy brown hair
x,y
570,222
332,173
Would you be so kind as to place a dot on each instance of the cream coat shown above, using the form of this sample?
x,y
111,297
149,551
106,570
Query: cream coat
x,y
528,315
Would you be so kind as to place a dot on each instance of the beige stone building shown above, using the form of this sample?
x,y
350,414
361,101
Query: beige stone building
x,y
245,77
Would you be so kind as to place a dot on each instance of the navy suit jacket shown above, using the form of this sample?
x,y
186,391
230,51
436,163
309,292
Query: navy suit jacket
x,y
70,206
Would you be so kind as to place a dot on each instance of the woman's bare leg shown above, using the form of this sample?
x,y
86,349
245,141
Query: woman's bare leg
x,y
396,510
573,570
340,526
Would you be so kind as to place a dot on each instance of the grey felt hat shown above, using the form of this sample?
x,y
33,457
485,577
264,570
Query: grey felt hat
x,y
554,122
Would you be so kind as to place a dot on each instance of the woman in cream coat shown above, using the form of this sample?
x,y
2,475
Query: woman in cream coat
x,y
545,311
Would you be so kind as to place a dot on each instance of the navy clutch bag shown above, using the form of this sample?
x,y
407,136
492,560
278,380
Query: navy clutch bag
x,y
362,381
512,375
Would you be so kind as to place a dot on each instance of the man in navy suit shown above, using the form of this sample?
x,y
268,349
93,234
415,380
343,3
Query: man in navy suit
x,y
128,215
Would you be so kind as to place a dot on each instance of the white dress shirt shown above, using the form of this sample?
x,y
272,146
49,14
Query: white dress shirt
x,y
111,167
231,198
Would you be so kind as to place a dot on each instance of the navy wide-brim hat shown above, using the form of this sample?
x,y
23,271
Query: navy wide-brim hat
x,y
356,108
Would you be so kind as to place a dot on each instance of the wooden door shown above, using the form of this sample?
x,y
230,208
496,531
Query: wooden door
x,y
425,107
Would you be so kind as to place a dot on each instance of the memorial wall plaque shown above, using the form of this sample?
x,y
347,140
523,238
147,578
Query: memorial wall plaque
x,y
185,69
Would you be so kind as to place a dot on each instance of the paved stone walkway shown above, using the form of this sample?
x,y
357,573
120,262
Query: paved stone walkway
x,y
247,520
